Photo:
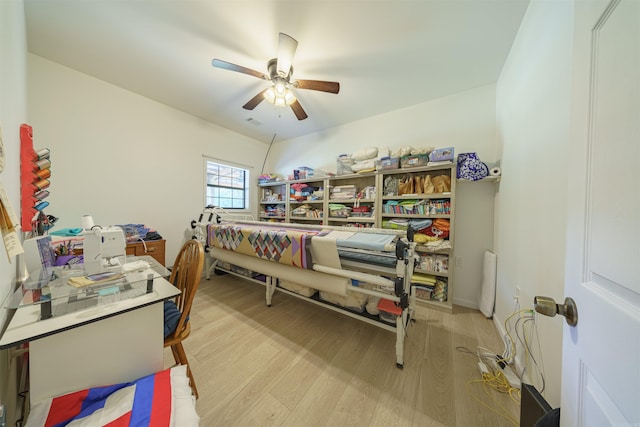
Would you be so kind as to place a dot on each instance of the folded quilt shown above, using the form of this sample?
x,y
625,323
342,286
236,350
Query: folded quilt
x,y
160,399
371,241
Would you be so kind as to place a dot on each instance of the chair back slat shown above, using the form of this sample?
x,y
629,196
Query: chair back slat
x,y
186,275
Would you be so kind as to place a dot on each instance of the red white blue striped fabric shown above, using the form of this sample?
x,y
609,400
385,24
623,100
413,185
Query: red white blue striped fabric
x,y
144,402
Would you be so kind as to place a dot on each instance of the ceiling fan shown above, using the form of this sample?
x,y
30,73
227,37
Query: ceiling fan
x,y
279,73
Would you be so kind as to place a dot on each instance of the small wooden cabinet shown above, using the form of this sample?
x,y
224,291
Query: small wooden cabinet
x,y
154,248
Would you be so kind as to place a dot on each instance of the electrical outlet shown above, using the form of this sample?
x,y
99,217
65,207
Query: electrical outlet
x,y
458,261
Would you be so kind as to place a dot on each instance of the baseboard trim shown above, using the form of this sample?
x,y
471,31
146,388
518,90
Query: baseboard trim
x,y
466,303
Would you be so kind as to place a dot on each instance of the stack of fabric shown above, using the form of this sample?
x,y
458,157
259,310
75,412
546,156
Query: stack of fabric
x,y
344,192
441,290
426,280
435,234
424,285
134,232
438,229
339,210
301,192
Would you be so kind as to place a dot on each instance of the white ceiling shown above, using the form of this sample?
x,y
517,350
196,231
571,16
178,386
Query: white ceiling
x,y
386,54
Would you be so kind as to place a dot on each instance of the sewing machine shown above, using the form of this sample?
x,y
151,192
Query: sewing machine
x,y
102,247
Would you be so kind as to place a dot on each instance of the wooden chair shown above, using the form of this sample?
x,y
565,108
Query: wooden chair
x,y
185,275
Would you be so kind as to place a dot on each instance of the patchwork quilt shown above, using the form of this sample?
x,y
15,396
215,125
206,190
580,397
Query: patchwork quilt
x,y
162,399
278,244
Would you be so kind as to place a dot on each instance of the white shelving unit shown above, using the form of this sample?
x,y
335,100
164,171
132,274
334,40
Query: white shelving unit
x,y
283,189
432,206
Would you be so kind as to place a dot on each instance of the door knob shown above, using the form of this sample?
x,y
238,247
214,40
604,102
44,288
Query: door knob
x,y
548,307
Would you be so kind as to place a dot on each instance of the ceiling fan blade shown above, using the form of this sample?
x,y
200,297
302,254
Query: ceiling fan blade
x,y
298,110
233,67
287,46
332,87
253,102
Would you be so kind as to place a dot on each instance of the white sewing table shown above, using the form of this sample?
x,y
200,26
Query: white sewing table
x,y
94,342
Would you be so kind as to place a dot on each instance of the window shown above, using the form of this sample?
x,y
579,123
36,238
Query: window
x,y
226,186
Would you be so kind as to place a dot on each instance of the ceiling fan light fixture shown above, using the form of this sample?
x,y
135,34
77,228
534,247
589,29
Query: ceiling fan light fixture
x,y
270,95
289,97
280,89
280,73
279,96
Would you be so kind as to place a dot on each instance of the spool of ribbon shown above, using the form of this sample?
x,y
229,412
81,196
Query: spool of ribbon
x,y
41,154
43,164
87,222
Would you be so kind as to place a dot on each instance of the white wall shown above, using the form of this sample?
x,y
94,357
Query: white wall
x,y
13,112
123,158
465,121
533,103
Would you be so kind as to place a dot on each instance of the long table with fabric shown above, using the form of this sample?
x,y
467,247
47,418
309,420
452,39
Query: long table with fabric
x,y
342,264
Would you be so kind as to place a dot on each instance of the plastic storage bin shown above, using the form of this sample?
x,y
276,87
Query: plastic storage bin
x,y
387,163
414,160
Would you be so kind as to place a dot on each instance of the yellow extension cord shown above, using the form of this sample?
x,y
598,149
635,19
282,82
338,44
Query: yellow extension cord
x,y
498,382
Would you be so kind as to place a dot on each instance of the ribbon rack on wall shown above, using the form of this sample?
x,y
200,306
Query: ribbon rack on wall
x,y
35,171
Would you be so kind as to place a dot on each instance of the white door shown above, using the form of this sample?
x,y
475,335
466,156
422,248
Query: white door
x,y
601,355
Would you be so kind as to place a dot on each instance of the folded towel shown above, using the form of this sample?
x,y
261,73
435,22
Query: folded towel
x,y
67,232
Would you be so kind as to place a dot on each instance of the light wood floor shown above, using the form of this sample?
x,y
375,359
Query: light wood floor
x,y
297,364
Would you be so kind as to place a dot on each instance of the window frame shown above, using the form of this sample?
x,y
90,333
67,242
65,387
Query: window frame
x,y
233,166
